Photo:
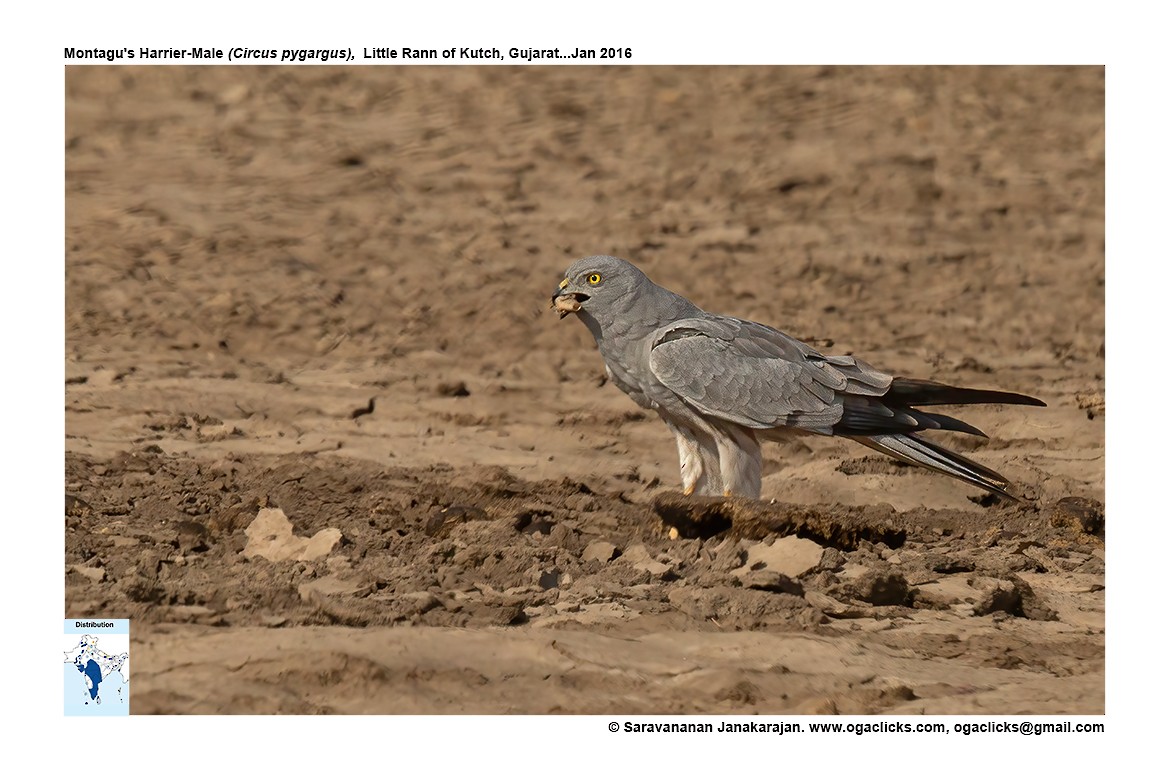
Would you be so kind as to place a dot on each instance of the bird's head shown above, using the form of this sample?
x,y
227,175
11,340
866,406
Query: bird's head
x,y
595,284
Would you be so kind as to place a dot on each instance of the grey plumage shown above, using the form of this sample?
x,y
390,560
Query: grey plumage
x,y
723,384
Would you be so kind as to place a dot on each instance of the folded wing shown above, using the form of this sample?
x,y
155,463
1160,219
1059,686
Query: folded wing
x,y
754,376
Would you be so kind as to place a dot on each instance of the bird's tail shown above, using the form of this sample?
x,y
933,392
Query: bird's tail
x,y
918,451
922,392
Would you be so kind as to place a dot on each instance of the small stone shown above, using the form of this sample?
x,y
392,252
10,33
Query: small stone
x,y
321,544
192,536
271,536
882,588
945,563
1041,558
91,572
639,558
788,555
833,608
729,555
832,560
773,581
1031,605
945,591
600,551
1002,596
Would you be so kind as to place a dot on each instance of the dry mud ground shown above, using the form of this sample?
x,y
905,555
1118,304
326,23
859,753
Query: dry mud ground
x,y
321,294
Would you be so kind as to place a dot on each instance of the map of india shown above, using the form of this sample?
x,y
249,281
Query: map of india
x,y
97,671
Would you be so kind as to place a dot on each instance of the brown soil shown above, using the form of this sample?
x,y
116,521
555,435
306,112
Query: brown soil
x,y
325,291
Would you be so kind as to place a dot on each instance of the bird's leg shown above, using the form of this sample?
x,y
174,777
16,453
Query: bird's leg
x,y
740,462
698,457
690,462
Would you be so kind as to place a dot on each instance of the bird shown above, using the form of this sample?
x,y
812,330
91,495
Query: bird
x,y
723,385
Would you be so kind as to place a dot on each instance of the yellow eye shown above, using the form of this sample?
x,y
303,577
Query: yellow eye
x,y
594,278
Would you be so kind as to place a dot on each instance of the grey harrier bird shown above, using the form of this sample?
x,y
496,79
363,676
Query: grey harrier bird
x,y
723,384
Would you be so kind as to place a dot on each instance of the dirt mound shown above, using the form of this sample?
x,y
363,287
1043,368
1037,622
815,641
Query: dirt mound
x,y
434,547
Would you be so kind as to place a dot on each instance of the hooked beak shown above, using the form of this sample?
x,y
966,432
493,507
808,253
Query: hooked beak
x,y
566,301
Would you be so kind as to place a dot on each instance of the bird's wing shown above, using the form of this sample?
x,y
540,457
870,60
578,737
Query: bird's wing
x,y
752,375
